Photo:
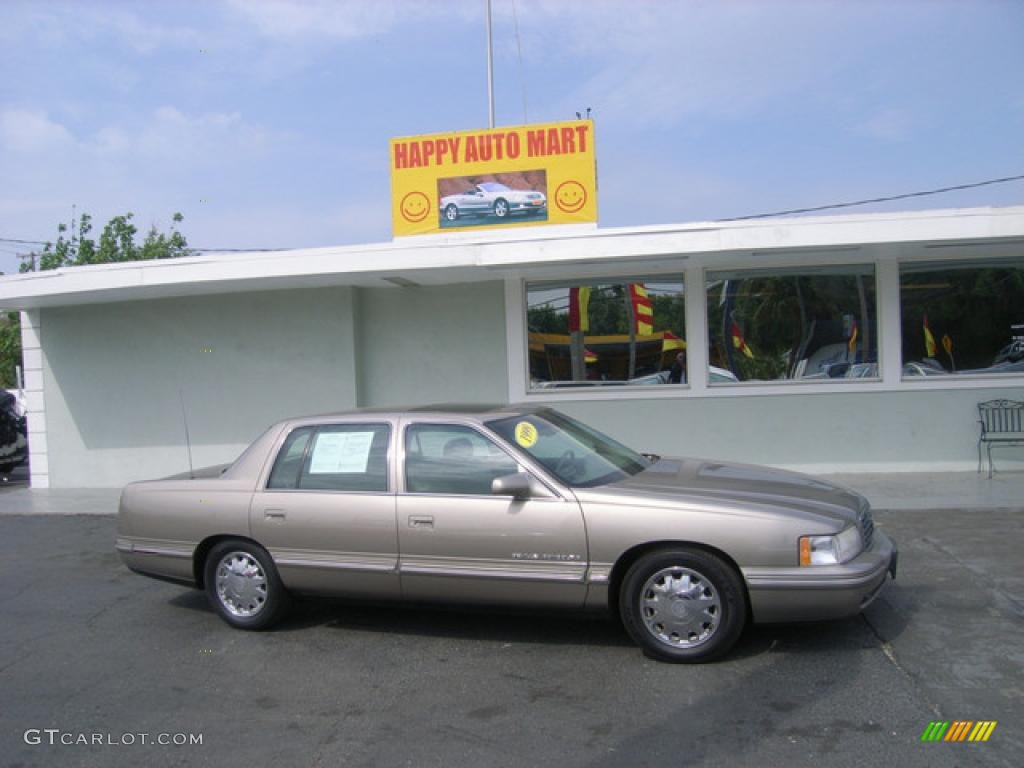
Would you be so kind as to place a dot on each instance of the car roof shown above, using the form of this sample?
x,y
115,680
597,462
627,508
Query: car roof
x,y
479,411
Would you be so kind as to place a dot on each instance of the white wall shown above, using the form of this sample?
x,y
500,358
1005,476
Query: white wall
x,y
432,345
112,372
112,375
919,431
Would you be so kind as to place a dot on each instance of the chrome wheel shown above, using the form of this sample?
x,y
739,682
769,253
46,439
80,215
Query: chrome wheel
x,y
501,209
451,212
241,584
680,607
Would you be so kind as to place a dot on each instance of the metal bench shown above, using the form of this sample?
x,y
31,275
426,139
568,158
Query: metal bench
x,y
1002,423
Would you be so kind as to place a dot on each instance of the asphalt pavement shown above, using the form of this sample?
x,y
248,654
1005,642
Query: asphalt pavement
x,y
88,649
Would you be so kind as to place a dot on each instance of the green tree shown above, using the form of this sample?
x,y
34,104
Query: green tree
x,y
73,248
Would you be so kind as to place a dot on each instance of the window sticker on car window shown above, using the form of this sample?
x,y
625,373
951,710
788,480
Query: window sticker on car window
x,y
336,452
526,434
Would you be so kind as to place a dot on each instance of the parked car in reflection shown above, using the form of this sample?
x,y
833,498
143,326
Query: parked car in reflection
x,y
503,506
493,198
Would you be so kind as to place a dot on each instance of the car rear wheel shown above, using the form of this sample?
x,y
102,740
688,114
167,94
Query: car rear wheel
x,y
501,208
243,586
451,212
683,605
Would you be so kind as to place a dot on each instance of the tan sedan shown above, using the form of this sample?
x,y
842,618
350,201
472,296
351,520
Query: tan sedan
x,y
507,506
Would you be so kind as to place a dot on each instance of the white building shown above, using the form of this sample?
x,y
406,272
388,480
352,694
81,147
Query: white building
x,y
119,357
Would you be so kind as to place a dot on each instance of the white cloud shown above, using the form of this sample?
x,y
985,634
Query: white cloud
x,y
337,19
888,125
168,134
29,130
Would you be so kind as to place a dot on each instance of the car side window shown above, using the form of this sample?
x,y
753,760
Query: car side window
x,y
347,457
452,459
285,474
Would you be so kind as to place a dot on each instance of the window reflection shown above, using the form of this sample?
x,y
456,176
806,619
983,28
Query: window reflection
x,y
786,324
962,318
630,332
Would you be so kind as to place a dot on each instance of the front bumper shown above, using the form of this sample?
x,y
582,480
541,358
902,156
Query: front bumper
x,y
528,206
822,592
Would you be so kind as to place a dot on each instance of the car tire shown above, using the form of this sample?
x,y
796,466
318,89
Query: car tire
x,y
243,586
501,208
683,605
451,212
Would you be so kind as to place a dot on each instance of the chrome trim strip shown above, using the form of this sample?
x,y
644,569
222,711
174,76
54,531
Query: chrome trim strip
x,y
491,573
334,565
599,573
160,551
338,561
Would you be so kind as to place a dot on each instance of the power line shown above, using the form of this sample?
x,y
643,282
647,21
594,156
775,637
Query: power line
x,y
924,193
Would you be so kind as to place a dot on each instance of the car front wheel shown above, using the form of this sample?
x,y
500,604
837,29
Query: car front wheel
x,y
683,605
501,208
451,212
243,586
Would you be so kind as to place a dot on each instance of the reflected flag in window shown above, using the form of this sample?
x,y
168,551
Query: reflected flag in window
x,y
579,309
643,310
929,340
738,341
670,341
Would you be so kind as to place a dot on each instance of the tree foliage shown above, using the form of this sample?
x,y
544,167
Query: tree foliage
x,y
74,248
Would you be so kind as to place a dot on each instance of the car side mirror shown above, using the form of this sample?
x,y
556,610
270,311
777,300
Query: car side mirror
x,y
519,485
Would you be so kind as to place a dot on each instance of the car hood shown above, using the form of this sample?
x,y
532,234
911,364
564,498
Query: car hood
x,y
729,486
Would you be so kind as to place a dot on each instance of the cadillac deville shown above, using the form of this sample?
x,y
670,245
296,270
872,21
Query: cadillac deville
x,y
504,506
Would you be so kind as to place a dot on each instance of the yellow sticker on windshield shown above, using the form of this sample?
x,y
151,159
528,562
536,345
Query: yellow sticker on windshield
x,y
526,434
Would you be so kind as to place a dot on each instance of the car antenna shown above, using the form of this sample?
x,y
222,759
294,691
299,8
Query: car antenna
x,y
188,442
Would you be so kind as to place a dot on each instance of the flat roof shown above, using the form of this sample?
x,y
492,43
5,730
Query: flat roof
x,y
532,251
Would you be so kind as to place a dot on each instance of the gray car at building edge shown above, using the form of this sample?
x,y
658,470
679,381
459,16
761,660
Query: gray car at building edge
x,y
501,506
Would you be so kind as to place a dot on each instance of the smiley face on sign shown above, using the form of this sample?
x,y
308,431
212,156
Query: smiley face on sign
x,y
570,196
415,207
526,434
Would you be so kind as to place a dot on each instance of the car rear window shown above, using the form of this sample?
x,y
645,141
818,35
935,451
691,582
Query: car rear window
x,y
334,457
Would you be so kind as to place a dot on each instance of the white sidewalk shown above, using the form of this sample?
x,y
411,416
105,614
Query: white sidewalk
x,y
970,491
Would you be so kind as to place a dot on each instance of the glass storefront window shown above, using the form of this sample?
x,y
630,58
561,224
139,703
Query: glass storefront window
x,y
623,332
792,324
962,318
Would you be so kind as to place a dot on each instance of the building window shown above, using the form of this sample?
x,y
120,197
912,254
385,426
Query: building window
x,y
809,323
606,333
962,318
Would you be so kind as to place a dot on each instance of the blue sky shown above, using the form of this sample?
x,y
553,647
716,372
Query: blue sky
x,y
279,113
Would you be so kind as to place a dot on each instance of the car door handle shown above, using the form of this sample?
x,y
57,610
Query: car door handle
x,y
421,521
274,513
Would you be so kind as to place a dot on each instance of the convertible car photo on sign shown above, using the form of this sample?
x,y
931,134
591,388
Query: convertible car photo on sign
x,y
507,506
490,201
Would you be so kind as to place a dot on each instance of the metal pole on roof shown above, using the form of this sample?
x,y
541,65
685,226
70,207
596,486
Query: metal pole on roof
x,y
490,69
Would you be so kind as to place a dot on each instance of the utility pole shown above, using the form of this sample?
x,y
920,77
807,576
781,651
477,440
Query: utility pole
x,y
490,70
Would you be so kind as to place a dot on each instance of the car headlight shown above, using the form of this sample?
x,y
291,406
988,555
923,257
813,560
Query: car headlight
x,y
830,550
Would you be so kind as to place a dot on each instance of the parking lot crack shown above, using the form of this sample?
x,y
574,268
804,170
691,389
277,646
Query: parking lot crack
x,y
890,654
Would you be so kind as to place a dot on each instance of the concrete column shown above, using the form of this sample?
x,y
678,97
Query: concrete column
x,y
35,402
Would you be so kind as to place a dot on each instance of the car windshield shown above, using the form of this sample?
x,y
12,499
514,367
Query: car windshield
x,y
493,186
577,455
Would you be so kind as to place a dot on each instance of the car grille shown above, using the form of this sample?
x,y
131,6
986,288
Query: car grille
x,y
866,523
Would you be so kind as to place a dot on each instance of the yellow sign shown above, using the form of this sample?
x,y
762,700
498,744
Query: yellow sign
x,y
503,177
526,434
